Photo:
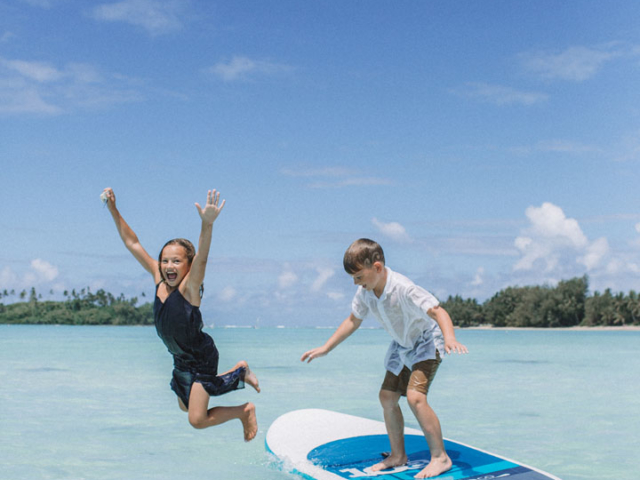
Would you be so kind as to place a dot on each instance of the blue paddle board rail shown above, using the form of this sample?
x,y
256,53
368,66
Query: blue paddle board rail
x,y
323,445
348,458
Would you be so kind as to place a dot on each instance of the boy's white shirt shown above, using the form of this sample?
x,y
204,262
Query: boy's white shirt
x,y
402,311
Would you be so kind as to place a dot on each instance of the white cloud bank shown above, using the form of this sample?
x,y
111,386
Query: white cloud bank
x,y
40,272
551,236
156,17
244,68
42,88
575,64
554,246
393,230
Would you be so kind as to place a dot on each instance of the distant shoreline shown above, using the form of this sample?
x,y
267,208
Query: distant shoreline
x,y
625,328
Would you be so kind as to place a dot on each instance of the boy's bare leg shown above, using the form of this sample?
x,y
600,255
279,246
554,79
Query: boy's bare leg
x,y
201,416
394,421
428,420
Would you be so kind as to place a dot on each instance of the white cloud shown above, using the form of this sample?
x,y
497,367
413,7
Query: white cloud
x,y
324,274
39,71
353,182
478,278
336,177
8,279
550,235
554,247
287,278
39,3
227,294
500,95
6,36
549,221
566,146
241,68
638,227
336,296
596,251
573,64
392,230
44,269
34,87
318,172
156,17
38,273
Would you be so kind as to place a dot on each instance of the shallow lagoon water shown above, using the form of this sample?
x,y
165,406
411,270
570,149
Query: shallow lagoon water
x,y
94,402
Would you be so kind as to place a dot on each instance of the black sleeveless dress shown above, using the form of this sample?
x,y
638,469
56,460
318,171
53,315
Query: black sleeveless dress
x,y
195,356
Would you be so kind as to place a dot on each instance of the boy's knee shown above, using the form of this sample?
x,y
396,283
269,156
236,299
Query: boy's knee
x,y
416,398
388,399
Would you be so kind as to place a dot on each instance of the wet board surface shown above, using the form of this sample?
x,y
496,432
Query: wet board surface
x,y
325,445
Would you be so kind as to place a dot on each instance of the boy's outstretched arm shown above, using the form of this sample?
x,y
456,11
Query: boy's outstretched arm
x,y
443,319
346,328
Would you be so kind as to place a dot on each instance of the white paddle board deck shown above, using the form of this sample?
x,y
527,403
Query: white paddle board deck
x,y
326,445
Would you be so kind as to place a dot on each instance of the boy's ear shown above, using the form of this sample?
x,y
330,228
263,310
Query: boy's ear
x,y
378,266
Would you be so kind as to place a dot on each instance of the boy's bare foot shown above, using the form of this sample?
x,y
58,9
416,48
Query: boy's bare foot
x,y
391,461
249,422
436,467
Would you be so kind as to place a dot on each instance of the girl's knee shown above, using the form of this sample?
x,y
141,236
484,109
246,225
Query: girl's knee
x,y
197,420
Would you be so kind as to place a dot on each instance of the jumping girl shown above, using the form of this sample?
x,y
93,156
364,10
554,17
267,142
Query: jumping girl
x,y
178,275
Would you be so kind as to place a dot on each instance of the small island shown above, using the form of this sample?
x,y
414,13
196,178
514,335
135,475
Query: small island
x,y
78,308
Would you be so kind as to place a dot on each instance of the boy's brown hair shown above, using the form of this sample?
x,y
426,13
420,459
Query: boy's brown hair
x,y
362,253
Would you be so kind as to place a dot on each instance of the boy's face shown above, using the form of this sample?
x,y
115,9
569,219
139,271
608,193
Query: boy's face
x,y
371,278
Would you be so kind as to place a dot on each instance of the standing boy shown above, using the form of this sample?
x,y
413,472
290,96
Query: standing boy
x,y
407,312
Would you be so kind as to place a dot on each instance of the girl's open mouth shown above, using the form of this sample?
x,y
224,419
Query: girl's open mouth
x,y
171,276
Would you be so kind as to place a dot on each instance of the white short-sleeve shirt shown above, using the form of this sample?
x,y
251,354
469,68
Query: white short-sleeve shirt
x,y
402,311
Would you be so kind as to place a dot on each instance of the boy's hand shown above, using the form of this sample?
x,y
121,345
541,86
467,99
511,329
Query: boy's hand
x,y
455,347
211,210
315,353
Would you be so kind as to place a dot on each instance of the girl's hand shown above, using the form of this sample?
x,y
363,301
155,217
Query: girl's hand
x,y
212,209
110,197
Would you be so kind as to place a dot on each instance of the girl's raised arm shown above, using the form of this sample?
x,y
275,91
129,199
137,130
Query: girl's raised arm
x,y
208,215
129,238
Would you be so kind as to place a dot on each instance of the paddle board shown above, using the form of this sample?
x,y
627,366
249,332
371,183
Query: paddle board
x,y
324,445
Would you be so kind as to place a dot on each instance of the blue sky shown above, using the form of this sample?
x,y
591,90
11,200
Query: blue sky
x,y
482,143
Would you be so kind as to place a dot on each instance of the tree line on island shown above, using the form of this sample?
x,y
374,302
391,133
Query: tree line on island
x,y
78,308
565,305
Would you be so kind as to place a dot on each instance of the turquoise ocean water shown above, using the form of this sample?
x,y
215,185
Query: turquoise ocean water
x,y
94,402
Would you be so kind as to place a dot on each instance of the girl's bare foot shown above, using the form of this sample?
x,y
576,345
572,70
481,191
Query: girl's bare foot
x,y
436,467
249,422
250,377
391,461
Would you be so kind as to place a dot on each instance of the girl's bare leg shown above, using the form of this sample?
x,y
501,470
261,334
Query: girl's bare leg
x,y
249,377
201,416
